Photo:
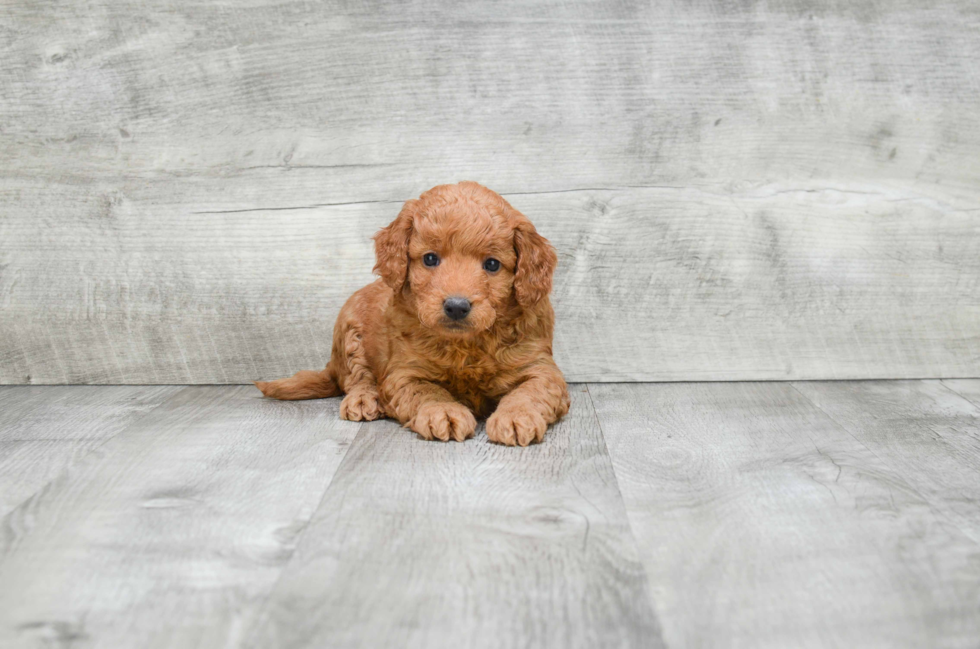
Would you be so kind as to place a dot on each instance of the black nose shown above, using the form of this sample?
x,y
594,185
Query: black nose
x,y
456,308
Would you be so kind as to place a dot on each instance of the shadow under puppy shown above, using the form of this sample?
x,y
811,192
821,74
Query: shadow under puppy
x,y
458,325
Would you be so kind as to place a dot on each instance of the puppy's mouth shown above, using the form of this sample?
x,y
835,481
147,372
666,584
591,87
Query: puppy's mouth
x,y
455,326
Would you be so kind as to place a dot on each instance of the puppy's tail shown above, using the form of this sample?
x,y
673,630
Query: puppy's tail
x,y
306,384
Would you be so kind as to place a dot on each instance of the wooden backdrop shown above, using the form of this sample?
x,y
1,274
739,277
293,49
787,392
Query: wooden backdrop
x,y
738,190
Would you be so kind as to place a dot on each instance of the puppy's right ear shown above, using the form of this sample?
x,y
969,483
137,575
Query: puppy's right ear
x,y
536,261
391,247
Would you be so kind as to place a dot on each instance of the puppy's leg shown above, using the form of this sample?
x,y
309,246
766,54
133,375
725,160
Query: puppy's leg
x,y
363,402
523,414
305,384
427,408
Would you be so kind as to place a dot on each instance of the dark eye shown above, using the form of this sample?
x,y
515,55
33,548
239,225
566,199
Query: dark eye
x,y
430,259
491,265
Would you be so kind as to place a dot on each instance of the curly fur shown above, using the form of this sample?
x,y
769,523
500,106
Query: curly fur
x,y
396,354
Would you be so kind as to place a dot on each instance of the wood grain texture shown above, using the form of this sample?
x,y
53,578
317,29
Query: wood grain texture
x,y
750,191
423,544
78,412
170,534
25,467
44,430
927,432
761,522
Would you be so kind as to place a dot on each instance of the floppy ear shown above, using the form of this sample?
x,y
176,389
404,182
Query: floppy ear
x,y
536,261
391,247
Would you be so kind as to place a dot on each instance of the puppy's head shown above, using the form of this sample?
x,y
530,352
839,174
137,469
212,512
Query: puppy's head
x,y
462,256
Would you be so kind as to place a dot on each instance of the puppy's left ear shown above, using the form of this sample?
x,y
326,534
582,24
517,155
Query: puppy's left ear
x,y
391,247
536,261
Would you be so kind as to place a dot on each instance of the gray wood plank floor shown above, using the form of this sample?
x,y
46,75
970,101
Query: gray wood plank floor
x,y
762,522
679,515
46,429
467,545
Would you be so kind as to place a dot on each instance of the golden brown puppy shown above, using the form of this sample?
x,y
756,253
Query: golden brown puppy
x,y
458,325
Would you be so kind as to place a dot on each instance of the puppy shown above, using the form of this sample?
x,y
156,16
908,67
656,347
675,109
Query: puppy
x,y
459,325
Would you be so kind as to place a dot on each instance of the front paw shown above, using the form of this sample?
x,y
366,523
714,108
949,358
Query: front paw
x,y
445,421
361,405
518,425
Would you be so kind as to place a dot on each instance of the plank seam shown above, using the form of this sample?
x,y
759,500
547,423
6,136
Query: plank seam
x,y
294,207
259,617
629,523
973,403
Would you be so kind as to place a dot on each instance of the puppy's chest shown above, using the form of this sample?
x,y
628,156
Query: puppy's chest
x,y
470,371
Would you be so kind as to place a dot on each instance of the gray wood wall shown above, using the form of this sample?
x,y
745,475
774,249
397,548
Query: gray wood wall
x,y
738,190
